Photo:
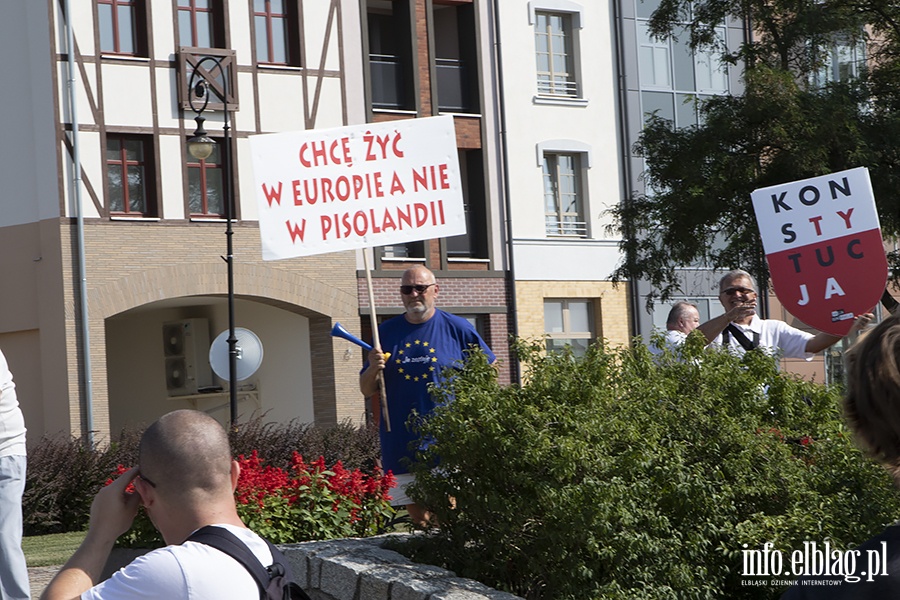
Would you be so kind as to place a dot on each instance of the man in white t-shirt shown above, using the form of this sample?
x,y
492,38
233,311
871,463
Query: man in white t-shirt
x,y
13,570
683,318
186,480
737,289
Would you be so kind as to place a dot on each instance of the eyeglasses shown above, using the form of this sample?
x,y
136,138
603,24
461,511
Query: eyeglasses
x,y
150,483
737,290
406,290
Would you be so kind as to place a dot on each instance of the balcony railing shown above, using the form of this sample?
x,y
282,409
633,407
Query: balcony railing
x,y
453,85
558,87
567,228
388,82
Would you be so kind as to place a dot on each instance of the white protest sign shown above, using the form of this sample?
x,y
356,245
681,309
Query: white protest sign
x,y
375,184
823,244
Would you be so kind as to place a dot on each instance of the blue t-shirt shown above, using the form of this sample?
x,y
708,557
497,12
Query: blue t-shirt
x,y
419,352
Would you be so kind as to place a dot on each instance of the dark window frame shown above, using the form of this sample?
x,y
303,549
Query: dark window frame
x,y
122,163
290,17
216,10
390,53
138,25
474,243
205,165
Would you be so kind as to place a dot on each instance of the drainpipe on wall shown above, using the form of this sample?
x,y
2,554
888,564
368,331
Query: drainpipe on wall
x,y
87,398
504,167
634,295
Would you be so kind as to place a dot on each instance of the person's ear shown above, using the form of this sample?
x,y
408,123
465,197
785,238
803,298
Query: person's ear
x,y
235,474
145,491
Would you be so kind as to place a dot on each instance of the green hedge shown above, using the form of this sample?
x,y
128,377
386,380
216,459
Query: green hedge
x,y
623,476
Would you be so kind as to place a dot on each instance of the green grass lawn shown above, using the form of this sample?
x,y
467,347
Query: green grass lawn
x,y
50,550
56,548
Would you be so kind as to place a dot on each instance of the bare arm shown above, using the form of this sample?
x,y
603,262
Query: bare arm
x,y
368,380
716,325
821,340
112,513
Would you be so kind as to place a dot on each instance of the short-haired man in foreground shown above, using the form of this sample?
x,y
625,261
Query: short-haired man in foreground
x,y
872,410
186,480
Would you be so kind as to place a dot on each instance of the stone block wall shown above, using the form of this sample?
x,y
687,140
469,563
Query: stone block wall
x,y
362,569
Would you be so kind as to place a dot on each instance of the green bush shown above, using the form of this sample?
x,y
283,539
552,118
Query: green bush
x,y
64,473
623,476
62,477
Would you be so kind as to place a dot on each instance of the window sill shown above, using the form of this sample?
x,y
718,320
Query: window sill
x,y
468,260
125,58
460,114
134,219
560,101
400,259
393,111
208,220
277,67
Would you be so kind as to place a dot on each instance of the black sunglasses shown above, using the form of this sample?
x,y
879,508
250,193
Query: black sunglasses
x,y
406,290
737,290
150,483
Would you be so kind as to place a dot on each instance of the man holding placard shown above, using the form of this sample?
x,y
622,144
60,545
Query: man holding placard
x,y
737,291
419,344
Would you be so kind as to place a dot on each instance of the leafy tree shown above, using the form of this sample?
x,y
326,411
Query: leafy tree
x,y
785,126
624,476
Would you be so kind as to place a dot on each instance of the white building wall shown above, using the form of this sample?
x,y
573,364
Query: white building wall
x,y
27,167
163,31
171,194
168,114
588,123
127,97
272,100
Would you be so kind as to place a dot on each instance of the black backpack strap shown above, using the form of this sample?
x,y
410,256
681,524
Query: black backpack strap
x,y
225,541
742,339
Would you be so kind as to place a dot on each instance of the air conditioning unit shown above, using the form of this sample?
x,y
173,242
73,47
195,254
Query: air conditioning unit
x,y
186,353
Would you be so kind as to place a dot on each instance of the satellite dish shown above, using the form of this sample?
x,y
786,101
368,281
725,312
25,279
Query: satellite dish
x,y
249,354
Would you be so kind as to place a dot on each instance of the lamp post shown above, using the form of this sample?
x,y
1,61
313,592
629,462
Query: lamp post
x,y
201,146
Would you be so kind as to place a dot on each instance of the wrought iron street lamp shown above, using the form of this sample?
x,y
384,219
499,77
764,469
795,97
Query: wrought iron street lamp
x,y
201,146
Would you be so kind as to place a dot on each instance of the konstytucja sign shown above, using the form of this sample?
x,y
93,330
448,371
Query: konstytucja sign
x,y
823,244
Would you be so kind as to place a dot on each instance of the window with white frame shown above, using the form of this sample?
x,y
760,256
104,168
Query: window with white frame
x,y
563,194
841,60
555,54
569,322
711,74
654,58
673,77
